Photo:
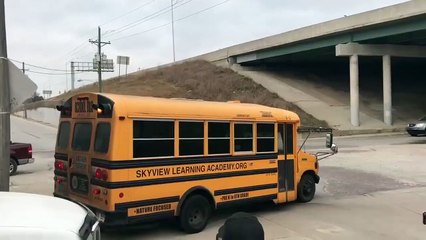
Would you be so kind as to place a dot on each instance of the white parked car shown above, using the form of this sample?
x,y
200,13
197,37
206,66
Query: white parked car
x,y
30,216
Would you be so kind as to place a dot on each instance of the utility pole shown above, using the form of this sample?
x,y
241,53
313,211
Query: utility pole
x,y
100,44
4,106
72,76
66,77
173,31
23,68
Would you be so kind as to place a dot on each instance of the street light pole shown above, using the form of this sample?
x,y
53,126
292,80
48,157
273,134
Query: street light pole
x,y
4,106
173,31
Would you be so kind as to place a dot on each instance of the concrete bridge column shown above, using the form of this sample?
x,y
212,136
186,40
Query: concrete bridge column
x,y
354,91
387,90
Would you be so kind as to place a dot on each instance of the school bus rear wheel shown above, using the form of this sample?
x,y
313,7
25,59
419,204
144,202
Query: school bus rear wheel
x,y
195,213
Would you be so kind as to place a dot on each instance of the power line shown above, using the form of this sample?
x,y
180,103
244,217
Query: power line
x,y
84,55
50,69
77,49
45,68
46,73
84,46
135,23
139,21
138,33
166,24
127,13
202,10
147,18
85,43
79,46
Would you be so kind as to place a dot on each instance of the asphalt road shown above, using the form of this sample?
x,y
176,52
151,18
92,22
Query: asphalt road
x,y
374,188
36,177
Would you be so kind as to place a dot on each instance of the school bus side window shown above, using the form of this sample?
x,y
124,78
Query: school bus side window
x,y
191,138
280,138
265,137
289,138
82,136
243,137
153,138
103,131
63,135
219,137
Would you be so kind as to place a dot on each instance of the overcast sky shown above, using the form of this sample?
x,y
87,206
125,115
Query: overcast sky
x,y
51,33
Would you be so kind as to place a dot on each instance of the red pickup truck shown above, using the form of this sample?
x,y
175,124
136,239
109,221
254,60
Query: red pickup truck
x,y
20,154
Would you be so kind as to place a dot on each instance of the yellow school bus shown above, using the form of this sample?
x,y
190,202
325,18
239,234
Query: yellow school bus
x,y
133,159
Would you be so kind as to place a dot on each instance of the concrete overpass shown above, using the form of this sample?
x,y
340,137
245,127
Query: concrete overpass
x,y
390,32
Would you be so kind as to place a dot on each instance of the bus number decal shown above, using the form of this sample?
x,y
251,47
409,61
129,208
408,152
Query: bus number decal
x,y
83,105
179,170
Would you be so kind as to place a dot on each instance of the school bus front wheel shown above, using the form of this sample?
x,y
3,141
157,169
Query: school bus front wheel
x,y
306,188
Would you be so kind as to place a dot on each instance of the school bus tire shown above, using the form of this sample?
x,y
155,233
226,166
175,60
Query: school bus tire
x,y
306,188
195,213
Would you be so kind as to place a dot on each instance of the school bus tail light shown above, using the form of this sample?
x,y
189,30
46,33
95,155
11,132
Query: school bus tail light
x,y
60,165
96,191
58,180
101,174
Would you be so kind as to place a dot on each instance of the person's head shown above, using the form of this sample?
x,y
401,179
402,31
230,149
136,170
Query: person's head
x,y
241,226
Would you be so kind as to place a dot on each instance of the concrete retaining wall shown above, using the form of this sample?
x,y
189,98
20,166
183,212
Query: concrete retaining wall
x,y
45,115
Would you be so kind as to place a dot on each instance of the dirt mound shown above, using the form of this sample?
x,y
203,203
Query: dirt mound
x,y
195,80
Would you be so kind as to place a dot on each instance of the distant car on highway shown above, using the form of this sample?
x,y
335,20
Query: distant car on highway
x,y
20,154
30,216
417,128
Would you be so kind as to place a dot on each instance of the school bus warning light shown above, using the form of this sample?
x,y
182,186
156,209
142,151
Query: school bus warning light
x,y
102,108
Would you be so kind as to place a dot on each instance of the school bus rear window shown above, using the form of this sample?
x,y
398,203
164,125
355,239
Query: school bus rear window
x,y
103,131
82,136
63,135
152,138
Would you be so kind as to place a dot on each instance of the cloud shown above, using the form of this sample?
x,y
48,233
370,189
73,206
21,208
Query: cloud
x,y
46,32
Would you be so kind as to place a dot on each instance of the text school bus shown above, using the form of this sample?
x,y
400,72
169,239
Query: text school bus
x,y
135,159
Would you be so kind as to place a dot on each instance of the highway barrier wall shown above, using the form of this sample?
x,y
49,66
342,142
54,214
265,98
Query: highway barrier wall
x,y
44,115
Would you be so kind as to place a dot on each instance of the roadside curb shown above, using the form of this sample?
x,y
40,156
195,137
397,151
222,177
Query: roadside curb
x,y
368,131
32,120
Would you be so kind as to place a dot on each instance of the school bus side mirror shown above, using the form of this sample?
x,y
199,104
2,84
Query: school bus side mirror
x,y
329,140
